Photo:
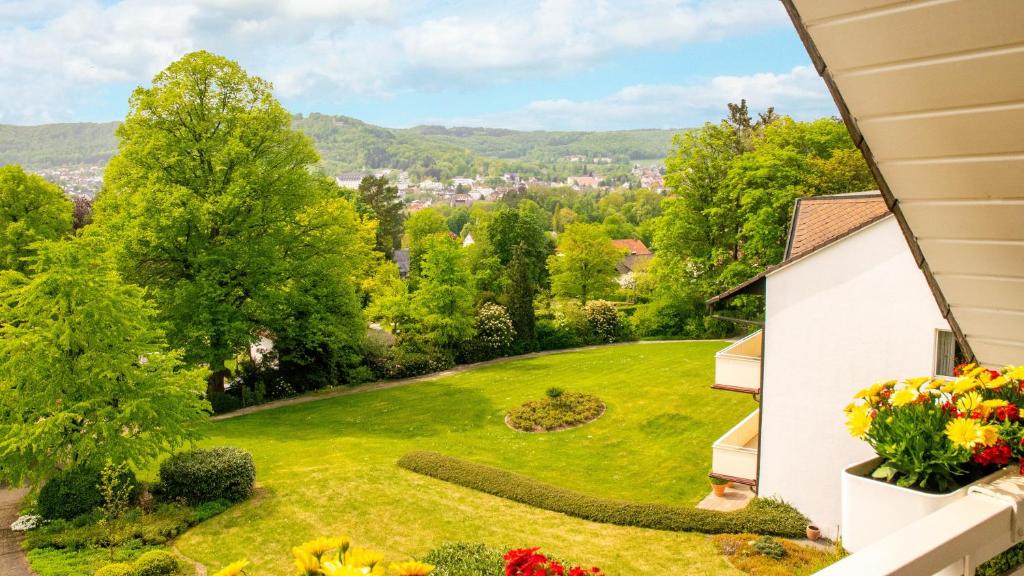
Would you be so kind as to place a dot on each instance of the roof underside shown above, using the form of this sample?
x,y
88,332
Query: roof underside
x,y
933,93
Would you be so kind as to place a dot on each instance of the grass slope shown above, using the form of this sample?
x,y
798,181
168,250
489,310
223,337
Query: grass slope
x,y
329,467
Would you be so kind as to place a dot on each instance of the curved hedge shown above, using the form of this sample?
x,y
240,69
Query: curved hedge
x,y
761,516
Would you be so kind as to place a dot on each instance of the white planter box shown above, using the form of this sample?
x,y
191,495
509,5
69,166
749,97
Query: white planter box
x,y
873,509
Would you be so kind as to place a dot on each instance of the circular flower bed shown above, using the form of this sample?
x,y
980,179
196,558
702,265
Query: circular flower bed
x,y
560,410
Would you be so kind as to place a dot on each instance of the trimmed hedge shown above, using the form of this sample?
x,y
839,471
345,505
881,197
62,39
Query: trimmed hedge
x,y
155,563
200,476
760,516
76,492
465,559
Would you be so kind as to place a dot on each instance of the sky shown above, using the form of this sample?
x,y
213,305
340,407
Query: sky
x,y
521,64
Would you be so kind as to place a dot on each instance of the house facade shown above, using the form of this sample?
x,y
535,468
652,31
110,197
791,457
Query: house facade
x,y
847,306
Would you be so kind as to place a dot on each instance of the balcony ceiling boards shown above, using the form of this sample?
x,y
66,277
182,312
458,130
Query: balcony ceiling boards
x,y
933,92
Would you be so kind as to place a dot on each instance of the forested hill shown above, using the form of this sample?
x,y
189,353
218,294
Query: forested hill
x,y
350,144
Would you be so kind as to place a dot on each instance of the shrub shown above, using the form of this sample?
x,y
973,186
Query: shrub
x,y
155,563
165,523
563,410
554,392
739,550
603,321
760,516
769,547
388,363
203,475
222,402
117,569
551,336
1004,563
76,492
494,327
465,559
207,510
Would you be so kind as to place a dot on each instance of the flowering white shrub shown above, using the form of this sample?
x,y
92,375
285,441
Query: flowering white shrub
x,y
26,523
494,327
604,321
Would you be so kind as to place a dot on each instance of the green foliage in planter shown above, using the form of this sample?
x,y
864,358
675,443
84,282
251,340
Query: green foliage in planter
x,y
465,559
200,476
155,563
760,516
769,547
1005,562
717,481
553,412
75,492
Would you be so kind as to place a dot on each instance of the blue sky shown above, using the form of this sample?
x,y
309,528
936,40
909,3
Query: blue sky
x,y
544,64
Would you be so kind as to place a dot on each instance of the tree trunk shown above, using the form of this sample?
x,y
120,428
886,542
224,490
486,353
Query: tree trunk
x,y
215,382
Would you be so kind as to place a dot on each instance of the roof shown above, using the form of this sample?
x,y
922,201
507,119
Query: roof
x,y
931,94
820,220
401,258
635,247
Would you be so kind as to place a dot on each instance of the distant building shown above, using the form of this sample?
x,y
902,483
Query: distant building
x,y
468,240
636,255
401,258
467,182
579,182
461,200
350,179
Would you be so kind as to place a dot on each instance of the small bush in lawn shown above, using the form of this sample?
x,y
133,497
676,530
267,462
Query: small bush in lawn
x,y
116,569
558,410
76,492
155,563
465,559
769,547
200,476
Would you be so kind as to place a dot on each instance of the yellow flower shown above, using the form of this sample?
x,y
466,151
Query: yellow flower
x,y
320,546
994,403
969,402
412,568
333,569
915,383
963,432
989,435
306,563
233,569
965,384
903,396
858,421
998,382
1015,372
363,558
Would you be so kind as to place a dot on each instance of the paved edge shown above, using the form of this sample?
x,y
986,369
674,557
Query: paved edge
x,y
386,384
12,558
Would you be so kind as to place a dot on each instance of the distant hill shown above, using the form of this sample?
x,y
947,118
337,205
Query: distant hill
x,y
347,144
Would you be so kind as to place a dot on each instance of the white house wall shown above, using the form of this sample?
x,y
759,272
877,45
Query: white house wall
x,y
853,313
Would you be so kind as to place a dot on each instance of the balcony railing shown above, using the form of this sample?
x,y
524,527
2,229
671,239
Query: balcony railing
x,y
738,367
734,455
951,541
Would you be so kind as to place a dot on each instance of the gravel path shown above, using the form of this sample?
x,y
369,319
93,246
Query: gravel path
x,y
12,559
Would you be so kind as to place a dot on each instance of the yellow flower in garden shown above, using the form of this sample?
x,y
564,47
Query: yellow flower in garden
x,y
233,569
969,402
858,421
1015,372
997,382
915,383
963,432
989,435
934,383
965,384
412,568
333,569
363,558
903,396
306,563
320,546
994,403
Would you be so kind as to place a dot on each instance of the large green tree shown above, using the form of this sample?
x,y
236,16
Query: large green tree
x,y
381,196
584,265
521,292
31,209
444,302
85,372
209,202
419,229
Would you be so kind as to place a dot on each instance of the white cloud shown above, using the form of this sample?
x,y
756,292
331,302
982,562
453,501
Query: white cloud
x,y
57,54
799,92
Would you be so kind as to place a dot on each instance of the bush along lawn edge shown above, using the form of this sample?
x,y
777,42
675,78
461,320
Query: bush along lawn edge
x,y
760,516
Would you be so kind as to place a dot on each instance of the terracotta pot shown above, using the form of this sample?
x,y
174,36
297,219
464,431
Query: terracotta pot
x,y
719,489
813,533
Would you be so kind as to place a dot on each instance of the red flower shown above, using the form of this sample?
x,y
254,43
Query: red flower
x,y
993,374
1008,413
996,455
527,562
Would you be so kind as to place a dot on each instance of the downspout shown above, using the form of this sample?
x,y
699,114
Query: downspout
x,y
760,398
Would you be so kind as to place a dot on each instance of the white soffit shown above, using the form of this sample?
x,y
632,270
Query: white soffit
x,y
936,90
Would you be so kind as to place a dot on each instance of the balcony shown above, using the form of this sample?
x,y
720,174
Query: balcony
x,y
738,367
734,455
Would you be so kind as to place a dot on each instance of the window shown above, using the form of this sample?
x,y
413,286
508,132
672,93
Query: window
x,y
947,353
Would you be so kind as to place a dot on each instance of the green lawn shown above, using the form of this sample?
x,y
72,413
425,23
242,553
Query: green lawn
x,y
328,467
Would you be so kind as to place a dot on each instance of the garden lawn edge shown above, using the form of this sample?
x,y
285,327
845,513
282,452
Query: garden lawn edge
x,y
760,516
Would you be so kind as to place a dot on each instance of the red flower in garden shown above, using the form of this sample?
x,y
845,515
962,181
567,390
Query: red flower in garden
x,y
527,562
993,374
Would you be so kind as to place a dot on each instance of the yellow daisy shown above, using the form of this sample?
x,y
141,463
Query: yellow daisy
x,y
858,421
903,396
233,569
963,432
412,568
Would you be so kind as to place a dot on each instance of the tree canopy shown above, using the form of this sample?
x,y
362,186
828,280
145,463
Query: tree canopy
x,y
31,209
584,265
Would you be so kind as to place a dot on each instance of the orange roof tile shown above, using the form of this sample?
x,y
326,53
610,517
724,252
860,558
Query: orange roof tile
x,y
635,247
822,219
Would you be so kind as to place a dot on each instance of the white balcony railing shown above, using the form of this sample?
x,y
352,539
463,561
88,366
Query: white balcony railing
x,y
734,455
738,367
953,540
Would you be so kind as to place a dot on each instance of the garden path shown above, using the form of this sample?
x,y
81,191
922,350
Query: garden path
x,y
12,559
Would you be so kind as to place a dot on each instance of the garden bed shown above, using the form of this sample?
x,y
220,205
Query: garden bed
x,y
559,411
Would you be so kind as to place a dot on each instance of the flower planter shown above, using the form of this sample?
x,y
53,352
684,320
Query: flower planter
x,y
873,509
